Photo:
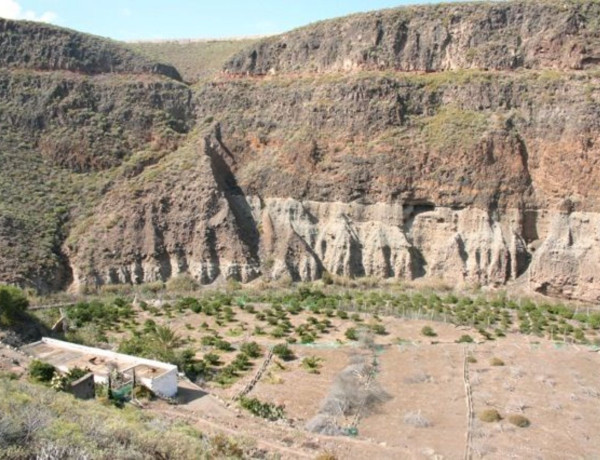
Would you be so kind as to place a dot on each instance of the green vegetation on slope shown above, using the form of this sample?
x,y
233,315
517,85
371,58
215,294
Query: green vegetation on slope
x,y
195,60
38,421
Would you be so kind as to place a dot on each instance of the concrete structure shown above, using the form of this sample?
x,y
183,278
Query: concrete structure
x,y
83,388
159,377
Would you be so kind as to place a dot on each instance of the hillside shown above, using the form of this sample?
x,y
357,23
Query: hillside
x,y
449,141
72,109
39,422
195,60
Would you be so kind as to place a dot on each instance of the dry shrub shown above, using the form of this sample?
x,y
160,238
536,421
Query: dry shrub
x,y
324,424
419,377
591,392
416,419
496,362
349,394
182,283
354,392
490,415
326,456
519,420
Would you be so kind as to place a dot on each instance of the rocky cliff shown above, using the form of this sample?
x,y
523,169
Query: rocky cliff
x,y
75,112
498,36
327,150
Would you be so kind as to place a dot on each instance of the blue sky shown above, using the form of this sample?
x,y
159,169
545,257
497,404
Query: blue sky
x,y
153,19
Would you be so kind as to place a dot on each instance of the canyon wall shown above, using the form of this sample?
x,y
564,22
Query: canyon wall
x,y
455,142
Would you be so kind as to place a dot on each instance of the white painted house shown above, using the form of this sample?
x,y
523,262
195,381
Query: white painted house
x,y
159,377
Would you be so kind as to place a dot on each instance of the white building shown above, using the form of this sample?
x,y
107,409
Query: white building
x,y
159,377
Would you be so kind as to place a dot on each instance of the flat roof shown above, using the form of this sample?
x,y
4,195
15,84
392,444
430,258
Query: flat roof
x,y
65,355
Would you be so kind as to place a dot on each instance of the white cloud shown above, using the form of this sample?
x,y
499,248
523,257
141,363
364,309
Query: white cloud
x,y
126,12
10,9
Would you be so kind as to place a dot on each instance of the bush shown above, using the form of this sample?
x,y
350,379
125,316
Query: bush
x,y
241,362
497,362
283,352
490,415
76,373
465,338
416,419
312,364
13,303
277,332
223,345
428,331
40,371
519,420
182,283
378,329
351,334
212,358
265,410
307,338
252,349
342,314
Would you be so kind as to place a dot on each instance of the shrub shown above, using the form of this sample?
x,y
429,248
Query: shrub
x,y
351,334
519,420
252,349
265,410
13,303
496,362
327,278
490,415
416,419
428,331
277,332
182,283
378,329
307,338
223,345
241,362
76,373
283,352
312,364
465,338
40,371
212,358
342,314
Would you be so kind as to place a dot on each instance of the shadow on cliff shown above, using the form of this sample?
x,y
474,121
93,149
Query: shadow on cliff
x,y
236,199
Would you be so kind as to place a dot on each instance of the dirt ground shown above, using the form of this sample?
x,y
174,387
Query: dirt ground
x,y
555,386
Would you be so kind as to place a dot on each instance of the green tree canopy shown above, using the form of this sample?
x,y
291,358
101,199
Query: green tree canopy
x,y
13,302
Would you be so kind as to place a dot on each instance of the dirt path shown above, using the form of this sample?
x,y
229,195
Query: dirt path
x,y
210,426
469,401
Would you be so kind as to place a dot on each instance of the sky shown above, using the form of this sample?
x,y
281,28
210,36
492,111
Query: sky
x,y
172,19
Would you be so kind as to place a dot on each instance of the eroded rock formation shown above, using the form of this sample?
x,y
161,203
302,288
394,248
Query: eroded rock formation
x,y
327,149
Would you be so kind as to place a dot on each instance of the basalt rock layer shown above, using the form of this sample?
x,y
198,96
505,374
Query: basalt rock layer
x,y
500,36
322,150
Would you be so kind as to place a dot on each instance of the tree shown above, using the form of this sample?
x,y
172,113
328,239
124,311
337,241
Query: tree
x,y
13,303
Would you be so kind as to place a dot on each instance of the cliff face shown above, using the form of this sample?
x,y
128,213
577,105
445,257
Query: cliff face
x,y
45,47
318,151
473,178
500,36
75,110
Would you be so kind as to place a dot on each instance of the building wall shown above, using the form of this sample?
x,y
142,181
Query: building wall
x,y
165,384
84,387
